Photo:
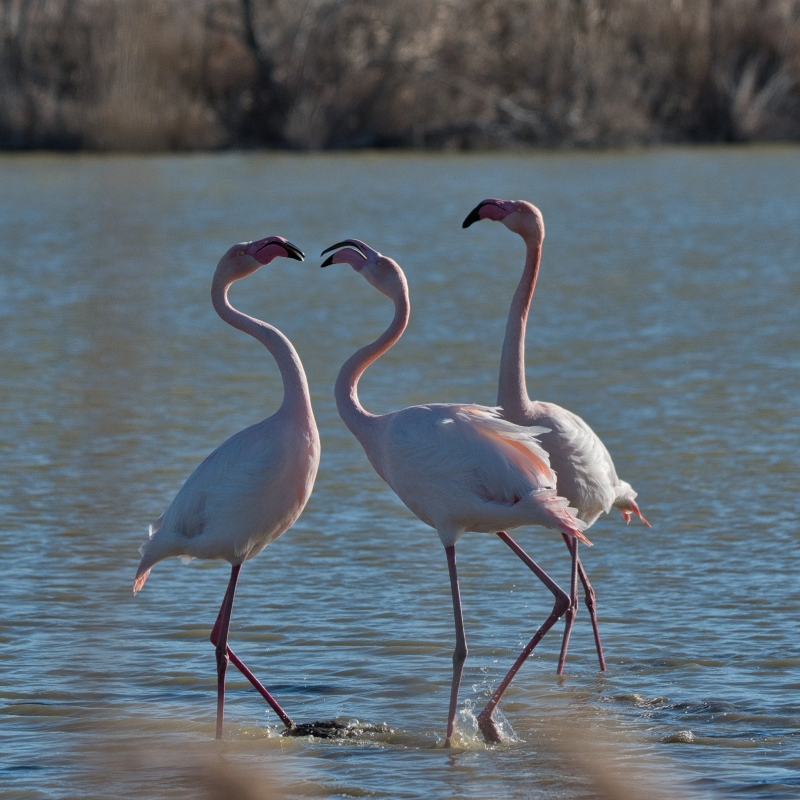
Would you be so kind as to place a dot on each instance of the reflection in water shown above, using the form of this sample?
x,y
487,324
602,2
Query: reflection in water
x,y
663,316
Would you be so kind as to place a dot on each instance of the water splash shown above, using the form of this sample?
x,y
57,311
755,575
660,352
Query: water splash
x,y
467,734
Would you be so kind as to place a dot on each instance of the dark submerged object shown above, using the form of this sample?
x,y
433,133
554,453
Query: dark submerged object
x,y
335,729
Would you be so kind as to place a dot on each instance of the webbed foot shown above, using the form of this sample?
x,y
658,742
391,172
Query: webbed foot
x,y
488,727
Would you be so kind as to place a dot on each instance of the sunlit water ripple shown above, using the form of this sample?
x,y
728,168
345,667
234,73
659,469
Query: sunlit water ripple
x,y
666,315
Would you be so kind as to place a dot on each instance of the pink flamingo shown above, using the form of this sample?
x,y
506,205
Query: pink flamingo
x,y
586,474
254,486
457,467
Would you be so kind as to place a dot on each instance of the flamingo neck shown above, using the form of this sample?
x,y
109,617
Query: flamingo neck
x,y
296,398
346,392
512,392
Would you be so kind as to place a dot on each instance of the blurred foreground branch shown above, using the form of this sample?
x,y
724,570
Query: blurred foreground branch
x,y
591,756
166,74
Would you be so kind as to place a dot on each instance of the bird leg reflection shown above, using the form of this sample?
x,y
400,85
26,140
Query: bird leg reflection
x,y
486,724
227,601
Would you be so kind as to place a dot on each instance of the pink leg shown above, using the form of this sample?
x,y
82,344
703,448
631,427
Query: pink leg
x,y
590,604
239,664
460,653
220,633
573,607
589,598
562,602
285,719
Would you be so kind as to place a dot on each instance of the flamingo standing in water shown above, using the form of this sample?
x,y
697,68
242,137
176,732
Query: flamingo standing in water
x,y
457,467
255,485
586,474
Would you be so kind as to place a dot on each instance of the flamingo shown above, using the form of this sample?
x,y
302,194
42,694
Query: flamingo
x,y
458,467
586,474
254,486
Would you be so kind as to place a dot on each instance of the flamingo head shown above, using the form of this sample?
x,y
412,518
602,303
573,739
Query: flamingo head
x,y
382,272
518,216
626,503
633,509
245,258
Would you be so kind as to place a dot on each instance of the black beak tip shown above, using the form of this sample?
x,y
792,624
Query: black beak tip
x,y
327,262
293,251
473,216
345,243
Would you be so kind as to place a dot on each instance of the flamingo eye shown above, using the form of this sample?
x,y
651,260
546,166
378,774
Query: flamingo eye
x,y
241,252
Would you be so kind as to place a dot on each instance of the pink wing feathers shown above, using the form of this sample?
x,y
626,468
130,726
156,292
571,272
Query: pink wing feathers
x,y
446,451
523,451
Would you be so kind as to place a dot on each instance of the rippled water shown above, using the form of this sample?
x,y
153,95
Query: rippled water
x,y
666,315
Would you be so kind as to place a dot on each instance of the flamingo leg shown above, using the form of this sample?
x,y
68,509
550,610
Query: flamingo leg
x,y
218,622
460,653
573,607
562,602
224,621
590,604
240,665
589,598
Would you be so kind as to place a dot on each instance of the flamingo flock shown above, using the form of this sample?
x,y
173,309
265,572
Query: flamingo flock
x,y
458,467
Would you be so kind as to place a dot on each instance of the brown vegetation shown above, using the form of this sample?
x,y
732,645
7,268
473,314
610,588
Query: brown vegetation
x,y
172,74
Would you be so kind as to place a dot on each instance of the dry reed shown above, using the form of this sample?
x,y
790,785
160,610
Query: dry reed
x,y
307,74
598,758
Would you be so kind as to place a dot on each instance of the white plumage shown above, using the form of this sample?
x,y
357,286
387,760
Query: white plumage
x,y
244,495
585,471
463,468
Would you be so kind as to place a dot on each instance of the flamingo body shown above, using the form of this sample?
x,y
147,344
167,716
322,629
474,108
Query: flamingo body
x,y
244,495
254,486
458,467
463,468
585,470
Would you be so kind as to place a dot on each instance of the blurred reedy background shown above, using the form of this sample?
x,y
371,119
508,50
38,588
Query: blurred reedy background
x,y
151,75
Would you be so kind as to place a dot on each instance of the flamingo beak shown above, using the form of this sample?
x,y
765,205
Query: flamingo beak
x,y
635,509
475,214
259,250
292,251
346,243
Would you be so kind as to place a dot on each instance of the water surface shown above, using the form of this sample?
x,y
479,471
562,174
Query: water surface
x,y
665,315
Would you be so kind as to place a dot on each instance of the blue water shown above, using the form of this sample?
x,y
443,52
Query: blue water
x,y
665,315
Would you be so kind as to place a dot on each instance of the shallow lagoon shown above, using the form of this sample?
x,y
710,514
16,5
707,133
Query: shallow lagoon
x,y
665,314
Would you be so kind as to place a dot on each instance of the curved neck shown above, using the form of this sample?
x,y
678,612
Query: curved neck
x,y
512,393
346,391
296,397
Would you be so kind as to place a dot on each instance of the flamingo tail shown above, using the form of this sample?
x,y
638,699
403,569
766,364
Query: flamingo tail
x,y
141,577
560,515
160,545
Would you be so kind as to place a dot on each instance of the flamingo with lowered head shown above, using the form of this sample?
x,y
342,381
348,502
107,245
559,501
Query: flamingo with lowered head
x,y
254,486
458,467
586,474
